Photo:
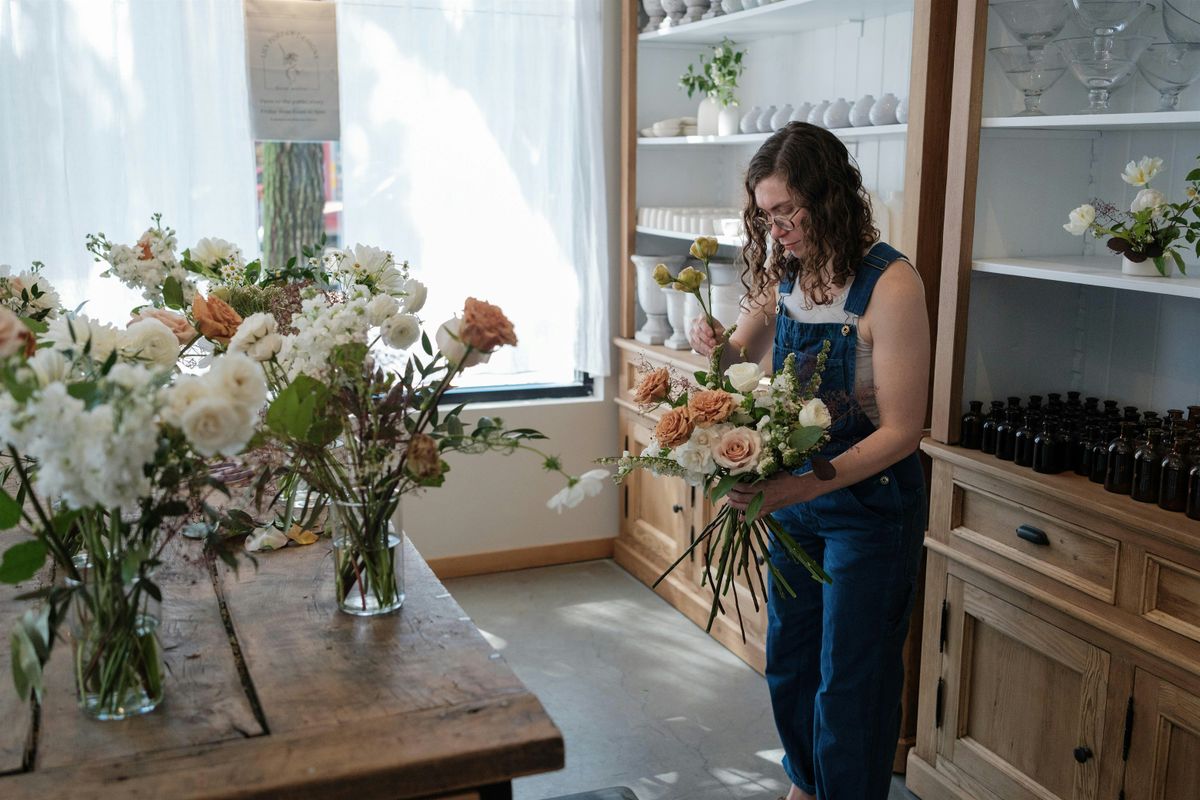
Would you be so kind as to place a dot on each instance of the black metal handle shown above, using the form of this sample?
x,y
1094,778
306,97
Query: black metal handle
x,y
1083,753
1032,534
678,509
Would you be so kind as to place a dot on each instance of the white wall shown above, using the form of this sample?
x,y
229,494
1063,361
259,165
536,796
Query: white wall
x,y
494,503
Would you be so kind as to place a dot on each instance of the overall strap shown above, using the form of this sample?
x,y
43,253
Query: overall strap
x,y
870,269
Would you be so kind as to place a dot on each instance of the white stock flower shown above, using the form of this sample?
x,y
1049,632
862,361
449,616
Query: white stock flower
x,y
453,348
589,484
414,295
1081,220
216,425
239,378
1141,172
1148,199
744,376
130,376
257,337
382,308
401,331
268,538
151,341
814,413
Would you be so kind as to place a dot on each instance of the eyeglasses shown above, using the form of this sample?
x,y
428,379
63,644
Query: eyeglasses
x,y
784,224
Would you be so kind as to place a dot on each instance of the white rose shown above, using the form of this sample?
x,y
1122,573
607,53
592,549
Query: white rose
x,y
453,348
694,457
210,251
1148,199
414,295
266,348
814,413
401,331
744,376
49,366
215,425
1081,220
257,337
1141,172
151,341
238,378
180,395
382,308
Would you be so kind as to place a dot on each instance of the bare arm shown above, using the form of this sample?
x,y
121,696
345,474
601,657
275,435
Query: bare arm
x,y
754,335
899,329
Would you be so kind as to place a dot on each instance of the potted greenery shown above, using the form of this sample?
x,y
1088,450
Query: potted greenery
x,y
716,79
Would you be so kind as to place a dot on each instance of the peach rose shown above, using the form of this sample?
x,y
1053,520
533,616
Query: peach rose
x,y
215,318
738,450
485,327
674,428
424,460
176,323
710,407
15,337
653,387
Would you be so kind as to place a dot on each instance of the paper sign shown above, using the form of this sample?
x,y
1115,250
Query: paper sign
x,y
291,61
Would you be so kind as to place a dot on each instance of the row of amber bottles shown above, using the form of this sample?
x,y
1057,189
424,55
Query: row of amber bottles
x,y
1153,459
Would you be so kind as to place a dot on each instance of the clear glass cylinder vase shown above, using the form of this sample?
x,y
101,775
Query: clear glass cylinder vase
x,y
368,557
118,657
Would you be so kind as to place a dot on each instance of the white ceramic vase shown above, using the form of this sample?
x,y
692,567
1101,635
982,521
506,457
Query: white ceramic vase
x,y
838,114
817,115
706,117
884,110
860,115
726,304
902,111
654,11
764,119
652,301
801,112
781,116
727,121
1142,269
749,123
695,10
676,302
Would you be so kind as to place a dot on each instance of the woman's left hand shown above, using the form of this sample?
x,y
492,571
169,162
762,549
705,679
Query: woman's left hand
x,y
780,490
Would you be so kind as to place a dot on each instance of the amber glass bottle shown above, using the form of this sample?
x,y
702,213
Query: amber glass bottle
x,y
1147,468
1172,487
1023,439
971,431
1006,434
987,438
1118,471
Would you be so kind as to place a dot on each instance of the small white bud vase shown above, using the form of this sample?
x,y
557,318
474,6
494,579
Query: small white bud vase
x,y
838,114
676,301
781,116
651,299
726,304
749,122
695,10
800,114
764,119
727,120
1142,269
654,11
884,110
706,117
902,111
860,115
817,115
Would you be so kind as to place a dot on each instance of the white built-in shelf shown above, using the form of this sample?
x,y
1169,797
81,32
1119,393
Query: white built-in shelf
x,y
866,132
1141,120
732,241
782,16
1103,270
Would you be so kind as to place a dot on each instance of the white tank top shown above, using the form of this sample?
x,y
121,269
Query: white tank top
x,y
836,313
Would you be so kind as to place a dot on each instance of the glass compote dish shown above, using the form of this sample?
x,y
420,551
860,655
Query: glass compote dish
x,y
1170,68
1033,23
1107,18
1181,20
1103,64
1032,70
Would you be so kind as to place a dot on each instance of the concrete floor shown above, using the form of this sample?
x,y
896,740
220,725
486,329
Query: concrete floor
x,y
643,697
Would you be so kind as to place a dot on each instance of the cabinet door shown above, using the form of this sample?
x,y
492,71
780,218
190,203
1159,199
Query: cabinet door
x,y
1024,701
658,513
1164,745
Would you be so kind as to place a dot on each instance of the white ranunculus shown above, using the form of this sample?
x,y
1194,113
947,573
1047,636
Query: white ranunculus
x,y
257,337
1148,199
210,252
454,348
150,341
814,413
694,457
382,308
239,378
1141,172
267,538
49,366
1081,220
744,376
181,394
589,484
401,331
414,295
215,425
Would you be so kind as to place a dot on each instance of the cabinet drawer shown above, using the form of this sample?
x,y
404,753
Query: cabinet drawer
x,y
1070,554
1171,595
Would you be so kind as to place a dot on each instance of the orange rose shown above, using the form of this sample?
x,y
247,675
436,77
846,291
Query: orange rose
x,y
674,428
710,407
177,323
653,387
485,327
215,318
424,460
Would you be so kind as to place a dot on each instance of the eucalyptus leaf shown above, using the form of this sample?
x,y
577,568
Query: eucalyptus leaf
x,y
172,293
10,511
22,561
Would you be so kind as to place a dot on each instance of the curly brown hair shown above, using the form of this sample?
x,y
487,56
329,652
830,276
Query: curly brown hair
x,y
824,180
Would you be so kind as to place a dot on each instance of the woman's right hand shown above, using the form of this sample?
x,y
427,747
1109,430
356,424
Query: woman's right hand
x,y
704,337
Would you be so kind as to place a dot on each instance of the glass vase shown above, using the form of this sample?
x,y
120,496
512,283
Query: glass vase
x,y
118,657
368,557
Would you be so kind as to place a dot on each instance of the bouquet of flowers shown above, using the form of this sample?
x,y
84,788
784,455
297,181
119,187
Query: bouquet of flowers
x,y
716,77
1153,227
109,460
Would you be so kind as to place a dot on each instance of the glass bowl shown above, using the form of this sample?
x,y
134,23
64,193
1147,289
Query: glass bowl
x,y
1102,64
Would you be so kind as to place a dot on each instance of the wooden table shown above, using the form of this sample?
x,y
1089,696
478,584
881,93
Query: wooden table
x,y
273,693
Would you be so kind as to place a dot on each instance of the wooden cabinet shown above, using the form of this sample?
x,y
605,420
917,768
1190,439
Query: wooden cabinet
x,y
1164,753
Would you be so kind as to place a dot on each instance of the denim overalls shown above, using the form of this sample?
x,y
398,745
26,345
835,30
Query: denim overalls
x,y
834,665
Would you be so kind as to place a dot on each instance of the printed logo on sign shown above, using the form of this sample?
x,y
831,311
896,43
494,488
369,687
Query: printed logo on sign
x,y
290,62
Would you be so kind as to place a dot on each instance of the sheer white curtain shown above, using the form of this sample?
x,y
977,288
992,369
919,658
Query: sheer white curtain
x,y
472,146
111,110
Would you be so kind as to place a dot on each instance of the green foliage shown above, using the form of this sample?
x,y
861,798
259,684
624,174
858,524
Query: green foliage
x,y
717,77
22,561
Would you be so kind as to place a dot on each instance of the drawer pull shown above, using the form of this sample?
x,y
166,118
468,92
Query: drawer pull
x,y
1032,534
678,509
1083,753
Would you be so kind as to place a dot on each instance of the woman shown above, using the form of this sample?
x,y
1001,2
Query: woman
x,y
834,665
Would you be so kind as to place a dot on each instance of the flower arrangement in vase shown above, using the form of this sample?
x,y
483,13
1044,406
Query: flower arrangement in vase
x,y
1153,229
716,79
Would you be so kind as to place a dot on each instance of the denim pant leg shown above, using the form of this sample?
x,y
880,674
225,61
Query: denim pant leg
x,y
794,649
873,562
